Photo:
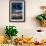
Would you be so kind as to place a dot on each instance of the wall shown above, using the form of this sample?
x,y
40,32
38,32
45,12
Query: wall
x,y
30,25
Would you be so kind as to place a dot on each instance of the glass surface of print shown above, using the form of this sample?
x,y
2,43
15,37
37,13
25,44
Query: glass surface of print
x,y
17,10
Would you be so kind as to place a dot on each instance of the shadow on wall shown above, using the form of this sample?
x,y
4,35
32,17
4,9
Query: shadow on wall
x,y
34,22
2,30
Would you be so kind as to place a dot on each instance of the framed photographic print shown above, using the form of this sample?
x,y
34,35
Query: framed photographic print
x,y
17,11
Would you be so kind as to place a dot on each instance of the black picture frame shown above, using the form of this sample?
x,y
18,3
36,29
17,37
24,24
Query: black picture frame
x,y
14,13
